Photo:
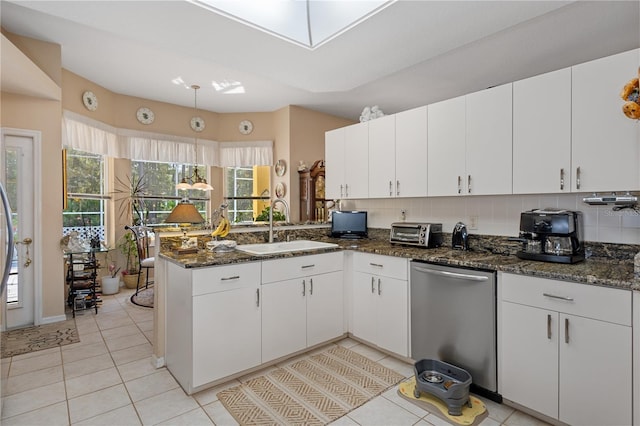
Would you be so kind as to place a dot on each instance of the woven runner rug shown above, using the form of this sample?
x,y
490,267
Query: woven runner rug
x,y
37,338
313,390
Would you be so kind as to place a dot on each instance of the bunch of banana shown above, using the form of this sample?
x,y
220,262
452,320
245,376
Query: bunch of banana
x,y
223,228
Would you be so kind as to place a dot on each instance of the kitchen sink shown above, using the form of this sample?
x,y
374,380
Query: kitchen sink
x,y
284,247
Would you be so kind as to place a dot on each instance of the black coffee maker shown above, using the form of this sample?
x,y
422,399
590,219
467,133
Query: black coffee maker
x,y
551,235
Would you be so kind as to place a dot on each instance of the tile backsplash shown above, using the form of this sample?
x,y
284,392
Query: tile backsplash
x,y
500,214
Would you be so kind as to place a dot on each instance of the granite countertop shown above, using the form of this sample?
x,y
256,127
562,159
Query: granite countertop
x,y
609,272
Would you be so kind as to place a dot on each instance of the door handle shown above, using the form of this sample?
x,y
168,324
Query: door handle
x,y
311,287
390,188
257,297
373,280
561,179
26,242
577,177
469,184
566,330
304,288
397,187
459,184
549,326
379,287
553,296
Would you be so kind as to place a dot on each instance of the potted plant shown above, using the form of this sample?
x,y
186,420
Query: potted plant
x,y
130,195
111,282
128,247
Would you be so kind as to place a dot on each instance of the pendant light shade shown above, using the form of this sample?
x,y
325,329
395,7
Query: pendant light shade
x,y
185,212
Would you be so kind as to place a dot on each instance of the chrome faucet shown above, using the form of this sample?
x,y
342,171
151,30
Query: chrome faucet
x,y
286,215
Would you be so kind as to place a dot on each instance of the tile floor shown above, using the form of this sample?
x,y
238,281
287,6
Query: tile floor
x,y
108,379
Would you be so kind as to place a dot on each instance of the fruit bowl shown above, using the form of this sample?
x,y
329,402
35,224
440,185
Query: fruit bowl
x,y
222,245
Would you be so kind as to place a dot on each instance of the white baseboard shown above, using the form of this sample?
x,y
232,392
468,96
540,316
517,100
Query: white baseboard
x,y
49,320
157,362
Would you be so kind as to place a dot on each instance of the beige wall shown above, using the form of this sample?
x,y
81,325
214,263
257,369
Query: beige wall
x,y
29,113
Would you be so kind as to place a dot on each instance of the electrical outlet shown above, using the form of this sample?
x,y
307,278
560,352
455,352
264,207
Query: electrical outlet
x,y
403,214
473,222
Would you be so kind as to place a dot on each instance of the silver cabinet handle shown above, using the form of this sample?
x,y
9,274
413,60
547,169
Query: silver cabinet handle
x,y
307,266
373,284
549,326
566,330
235,277
341,195
304,288
390,188
377,265
561,179
397,187
568,299
257,297
459,184
469,184
467,277
379,287
311,287
577,177
346,190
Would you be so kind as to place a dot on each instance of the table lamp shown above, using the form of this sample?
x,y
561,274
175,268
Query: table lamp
x,y
185,214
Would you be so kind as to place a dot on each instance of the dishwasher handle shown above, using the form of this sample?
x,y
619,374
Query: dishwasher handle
x,y
456,275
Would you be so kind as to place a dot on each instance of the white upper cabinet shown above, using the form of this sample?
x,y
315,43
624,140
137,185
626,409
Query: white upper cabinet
x,y
411,153
489,138
334,163
446,166
347,162
542,133
382,157
605,143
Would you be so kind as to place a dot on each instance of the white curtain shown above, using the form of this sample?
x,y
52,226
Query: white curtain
x,y
239,154
85,134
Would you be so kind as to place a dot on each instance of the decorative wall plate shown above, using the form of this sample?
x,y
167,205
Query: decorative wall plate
x,y
245,127
145,115
281,168
197,124
90,100
281,190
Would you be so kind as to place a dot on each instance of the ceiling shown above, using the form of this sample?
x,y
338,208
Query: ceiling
x,y
409,54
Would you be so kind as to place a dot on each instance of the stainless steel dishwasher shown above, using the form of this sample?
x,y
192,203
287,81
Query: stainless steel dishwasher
x,y
453,319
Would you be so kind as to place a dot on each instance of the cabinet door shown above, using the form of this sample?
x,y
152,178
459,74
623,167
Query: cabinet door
x,y
365,297
334,163
226,334
284,319
382,157
595,372
604,142
542,133
411,153
489,141
529,357
446,167
325,308
356,154
392,315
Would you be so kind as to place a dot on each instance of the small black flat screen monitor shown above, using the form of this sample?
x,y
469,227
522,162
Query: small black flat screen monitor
x,y
349,224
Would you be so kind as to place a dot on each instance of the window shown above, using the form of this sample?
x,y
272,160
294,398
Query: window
x,y
85,212
158,186
242,183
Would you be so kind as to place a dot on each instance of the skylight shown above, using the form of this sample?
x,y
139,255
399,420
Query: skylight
x,y
307,23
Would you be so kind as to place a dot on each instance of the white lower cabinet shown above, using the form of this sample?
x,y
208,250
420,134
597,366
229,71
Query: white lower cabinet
x,y
302,311
213,322
563,352
380,301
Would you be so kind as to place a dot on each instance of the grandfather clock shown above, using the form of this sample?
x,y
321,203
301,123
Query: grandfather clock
x,y
312,202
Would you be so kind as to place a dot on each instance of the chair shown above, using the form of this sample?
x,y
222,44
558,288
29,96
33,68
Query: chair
x,y
141,235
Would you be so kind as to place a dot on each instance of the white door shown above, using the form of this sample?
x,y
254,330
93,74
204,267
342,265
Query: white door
x,y
325,308
334,163
392,315
18,168
382,157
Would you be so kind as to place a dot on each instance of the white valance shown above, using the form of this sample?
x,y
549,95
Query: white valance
x,y
85,134
239,154
88,135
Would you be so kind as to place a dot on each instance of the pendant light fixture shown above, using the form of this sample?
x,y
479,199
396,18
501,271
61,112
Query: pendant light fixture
x,y
195,181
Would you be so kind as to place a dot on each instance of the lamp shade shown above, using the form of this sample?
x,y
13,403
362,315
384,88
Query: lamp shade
x,y
184,212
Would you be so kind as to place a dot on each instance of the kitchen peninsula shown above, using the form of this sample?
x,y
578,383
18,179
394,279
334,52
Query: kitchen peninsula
x,y
220,313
